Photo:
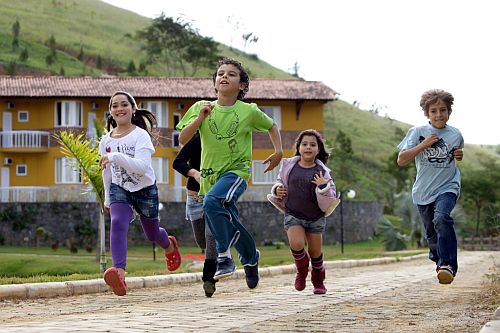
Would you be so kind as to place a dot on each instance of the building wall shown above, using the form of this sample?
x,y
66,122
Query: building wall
x,y
41,163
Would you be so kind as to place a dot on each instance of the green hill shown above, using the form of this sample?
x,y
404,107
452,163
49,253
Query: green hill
x,y
94,27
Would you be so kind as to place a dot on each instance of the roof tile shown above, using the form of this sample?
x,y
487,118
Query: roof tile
x,y
156,87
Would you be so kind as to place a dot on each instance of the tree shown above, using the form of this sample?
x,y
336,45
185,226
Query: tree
x,y
16,29
23,56
248,39
131,68
479,186
98,61
86,156
176,44
52,45
80,54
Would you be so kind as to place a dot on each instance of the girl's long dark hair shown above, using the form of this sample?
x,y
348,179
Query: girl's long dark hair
x,y
323,153
143,118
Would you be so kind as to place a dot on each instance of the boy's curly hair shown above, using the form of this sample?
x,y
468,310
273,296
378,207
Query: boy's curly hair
x,y
432,96
243,75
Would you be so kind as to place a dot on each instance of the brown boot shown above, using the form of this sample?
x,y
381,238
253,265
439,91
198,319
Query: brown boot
x,y
302,270
317,279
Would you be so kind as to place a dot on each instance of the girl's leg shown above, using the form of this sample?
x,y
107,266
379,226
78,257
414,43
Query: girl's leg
x,y
121,215
296,240
199,233
155,233
315,243
194,213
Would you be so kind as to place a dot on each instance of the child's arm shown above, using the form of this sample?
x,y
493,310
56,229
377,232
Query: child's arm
x,y
190,129
275,158
406,156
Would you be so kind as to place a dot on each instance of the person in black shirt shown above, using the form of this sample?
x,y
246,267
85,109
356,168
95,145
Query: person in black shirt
x,y
187,163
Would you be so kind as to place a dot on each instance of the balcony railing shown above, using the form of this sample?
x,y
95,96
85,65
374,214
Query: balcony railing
x,y
24,194
24,139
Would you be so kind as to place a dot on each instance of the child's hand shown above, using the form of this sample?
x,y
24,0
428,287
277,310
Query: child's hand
x,y
104,161
458,153
430,140
280,191
205,110
273,161
319,179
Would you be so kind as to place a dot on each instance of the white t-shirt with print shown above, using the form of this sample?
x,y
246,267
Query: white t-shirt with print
x,y
130,164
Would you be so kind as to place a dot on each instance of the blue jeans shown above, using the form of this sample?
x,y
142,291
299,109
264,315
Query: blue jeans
x,y
440,230
222,217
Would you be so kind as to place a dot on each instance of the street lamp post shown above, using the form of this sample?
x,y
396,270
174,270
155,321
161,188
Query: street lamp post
x,y
350,194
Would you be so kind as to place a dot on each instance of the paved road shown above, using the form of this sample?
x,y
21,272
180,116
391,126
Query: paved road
x,y
273,306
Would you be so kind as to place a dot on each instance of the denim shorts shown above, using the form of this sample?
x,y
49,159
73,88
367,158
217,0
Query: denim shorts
x,y
145,201
312,227
194,208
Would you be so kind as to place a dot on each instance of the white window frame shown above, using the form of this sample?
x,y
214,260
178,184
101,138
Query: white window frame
x,y
65,172
261,178
26,116
25,166
161,168
162,116
71,114
274,112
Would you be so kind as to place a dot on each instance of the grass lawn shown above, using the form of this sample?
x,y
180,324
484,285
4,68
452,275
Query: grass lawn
x,y
29,264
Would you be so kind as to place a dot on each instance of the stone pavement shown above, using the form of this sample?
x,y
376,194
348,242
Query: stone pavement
x,y
273,306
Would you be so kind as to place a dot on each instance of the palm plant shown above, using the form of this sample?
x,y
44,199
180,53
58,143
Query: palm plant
x,y
86,156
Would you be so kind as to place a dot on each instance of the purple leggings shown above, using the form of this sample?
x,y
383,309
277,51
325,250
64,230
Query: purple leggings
x,y
121,215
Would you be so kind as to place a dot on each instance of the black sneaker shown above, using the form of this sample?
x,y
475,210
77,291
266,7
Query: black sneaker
x,y
225,268
252,273
209,287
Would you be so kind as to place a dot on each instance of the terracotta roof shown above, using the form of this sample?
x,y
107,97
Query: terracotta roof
x,y
156,87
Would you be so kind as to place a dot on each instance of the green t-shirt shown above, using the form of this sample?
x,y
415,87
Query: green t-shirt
x,y
226,139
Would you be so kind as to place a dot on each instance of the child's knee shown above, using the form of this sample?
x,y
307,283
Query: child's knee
x,y
442,220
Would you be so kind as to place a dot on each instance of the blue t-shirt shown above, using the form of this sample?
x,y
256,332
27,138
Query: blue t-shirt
x,y
437,172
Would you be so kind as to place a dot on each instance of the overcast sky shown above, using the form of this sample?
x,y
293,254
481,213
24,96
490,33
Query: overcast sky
x,y
384,53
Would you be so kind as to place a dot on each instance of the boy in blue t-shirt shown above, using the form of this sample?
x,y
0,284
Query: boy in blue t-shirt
x,y
435,147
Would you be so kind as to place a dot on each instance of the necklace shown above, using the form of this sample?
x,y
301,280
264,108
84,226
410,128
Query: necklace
x,y
119,135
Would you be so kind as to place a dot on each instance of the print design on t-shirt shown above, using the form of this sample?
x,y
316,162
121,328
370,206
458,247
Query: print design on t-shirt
x,y
438,153
120,172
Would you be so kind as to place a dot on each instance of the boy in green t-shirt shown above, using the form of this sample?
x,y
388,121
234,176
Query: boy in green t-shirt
x,y
226,127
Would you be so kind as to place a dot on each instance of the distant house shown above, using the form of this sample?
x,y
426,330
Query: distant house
x,y
34,108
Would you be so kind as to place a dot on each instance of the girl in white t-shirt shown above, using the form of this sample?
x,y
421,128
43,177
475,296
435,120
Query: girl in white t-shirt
x,y
130,184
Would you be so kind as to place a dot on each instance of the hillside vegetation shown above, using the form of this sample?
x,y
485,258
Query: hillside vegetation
x,y
85,30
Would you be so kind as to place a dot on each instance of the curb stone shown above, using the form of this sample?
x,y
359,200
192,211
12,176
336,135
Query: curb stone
x,y
79,287
494,325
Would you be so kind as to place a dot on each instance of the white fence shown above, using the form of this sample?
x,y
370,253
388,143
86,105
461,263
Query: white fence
x,y
24,139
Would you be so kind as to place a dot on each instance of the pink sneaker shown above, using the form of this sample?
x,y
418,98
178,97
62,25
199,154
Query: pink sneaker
x,y
173,258
113,278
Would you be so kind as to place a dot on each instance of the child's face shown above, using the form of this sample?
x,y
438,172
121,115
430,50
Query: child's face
x,y
227,80
308,148
438,114
121,110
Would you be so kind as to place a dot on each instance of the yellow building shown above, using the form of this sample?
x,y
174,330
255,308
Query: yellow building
x,y
34,108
